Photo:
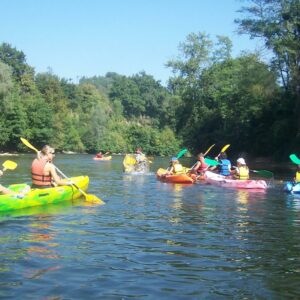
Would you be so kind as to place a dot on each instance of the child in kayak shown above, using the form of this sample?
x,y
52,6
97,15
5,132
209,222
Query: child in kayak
x,y
241,172
224,167
297,175
175,167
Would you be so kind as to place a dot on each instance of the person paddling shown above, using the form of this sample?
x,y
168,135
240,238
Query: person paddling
x,y
175,166
43,171
200,167
99,155
241,172
224,167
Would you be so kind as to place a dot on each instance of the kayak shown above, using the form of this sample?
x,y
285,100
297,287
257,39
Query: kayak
x,y
174,178
38,197
131,165
224,181
104,158
292,188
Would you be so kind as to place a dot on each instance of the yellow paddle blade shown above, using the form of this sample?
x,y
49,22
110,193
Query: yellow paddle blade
x,y
205,153
9,165
129,160
93,199
26,143
225,148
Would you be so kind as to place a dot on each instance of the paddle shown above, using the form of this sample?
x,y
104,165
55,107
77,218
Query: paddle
x,y
181,153
205,153
88,197
295,159
263,173
9,165
211,162
223,149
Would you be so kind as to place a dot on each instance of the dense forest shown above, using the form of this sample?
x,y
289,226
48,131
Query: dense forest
x,y
211,97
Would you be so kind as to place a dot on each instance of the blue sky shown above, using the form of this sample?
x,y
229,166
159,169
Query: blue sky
x,y
78,38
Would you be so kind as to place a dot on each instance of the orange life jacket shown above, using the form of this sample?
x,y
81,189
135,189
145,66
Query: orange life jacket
x,y
37,173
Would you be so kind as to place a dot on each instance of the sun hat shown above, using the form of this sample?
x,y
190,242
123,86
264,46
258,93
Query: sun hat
x,y
241,161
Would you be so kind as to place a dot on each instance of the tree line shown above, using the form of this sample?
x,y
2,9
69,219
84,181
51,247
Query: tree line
x,y
211,97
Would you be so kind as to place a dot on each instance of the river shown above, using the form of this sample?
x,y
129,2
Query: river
x,y
151,240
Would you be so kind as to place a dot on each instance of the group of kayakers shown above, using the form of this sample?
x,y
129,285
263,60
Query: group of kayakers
x,y
44,173
224,167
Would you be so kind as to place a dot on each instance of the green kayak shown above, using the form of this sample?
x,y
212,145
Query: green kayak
x,y
38,197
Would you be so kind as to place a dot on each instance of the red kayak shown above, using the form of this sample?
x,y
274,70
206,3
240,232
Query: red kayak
x,y
217,179
174,178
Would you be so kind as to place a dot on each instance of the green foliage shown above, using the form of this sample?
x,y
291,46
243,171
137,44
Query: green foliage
x,y
6,83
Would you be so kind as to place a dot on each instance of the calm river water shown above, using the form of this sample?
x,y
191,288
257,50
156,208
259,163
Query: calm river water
x,y
151,240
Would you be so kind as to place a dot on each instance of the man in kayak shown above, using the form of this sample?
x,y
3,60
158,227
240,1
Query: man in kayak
x,y
175,167
43,171
224,167
241,172
200,166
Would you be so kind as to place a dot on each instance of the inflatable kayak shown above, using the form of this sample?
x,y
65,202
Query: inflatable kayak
x,y
175,178
104,158
131,165
224,181
292,188
38,197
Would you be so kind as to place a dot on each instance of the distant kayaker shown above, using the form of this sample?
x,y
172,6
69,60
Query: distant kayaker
x,y
43,171
175,166
297,175
224,167
241,172
99,155
200,166
140,156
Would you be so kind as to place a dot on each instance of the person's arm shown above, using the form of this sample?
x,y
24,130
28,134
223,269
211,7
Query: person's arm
x,y
4,190
196,166
54,175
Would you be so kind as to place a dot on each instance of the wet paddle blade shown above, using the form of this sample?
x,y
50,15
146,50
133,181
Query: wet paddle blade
x,y
264,173
93,199
211,162
181,153
9,165
295,159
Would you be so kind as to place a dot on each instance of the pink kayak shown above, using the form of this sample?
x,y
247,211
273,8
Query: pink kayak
x,y
224,181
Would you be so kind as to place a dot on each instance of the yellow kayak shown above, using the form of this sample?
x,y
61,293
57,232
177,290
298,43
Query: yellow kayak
x,y
38,197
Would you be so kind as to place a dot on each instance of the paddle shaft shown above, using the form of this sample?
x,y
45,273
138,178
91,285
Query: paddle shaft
x,y
65,176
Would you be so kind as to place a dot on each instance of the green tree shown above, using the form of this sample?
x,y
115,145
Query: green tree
x,y
277,22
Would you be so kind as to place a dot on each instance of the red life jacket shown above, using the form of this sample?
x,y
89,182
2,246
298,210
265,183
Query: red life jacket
x,y
37,173
203,167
